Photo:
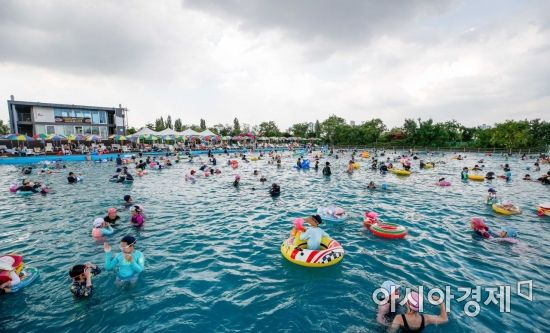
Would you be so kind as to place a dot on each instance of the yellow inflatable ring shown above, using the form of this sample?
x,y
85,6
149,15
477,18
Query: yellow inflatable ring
x,y
330,254
506,211
476,177
400,172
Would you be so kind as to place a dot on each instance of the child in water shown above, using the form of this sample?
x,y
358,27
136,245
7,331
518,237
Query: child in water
x,y
82,279
112,216
478,225
464,173
314,234
384,315
237,181
137,218
101,228
130,262
275,190
128,201
350,167
371,185
492,196
326,169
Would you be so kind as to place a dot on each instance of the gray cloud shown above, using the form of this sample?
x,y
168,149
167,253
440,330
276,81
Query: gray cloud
x,y
83,37
293,60
338,23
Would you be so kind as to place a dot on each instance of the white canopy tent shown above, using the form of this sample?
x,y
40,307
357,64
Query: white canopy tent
x,y
207,133
145,130
189,132
167,131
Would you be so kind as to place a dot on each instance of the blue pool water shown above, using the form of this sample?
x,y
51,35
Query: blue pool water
x,y
212,251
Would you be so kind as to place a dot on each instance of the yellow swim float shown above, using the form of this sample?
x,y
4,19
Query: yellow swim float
x,y
254,158
330,254
428,165
476,177
400,172
365,154
356,166
506,210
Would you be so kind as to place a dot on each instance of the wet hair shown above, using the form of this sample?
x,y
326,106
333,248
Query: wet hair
x,y
317,218
118,169
71,173
327,163
76,270
441,179
127,197
130,240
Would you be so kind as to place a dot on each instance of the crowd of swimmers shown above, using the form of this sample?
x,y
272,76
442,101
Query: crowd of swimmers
x,y
129,262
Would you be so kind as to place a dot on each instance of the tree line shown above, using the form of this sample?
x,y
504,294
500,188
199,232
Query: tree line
x,y
334,130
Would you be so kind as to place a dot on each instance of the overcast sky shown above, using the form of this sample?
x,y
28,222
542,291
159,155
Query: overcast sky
x,y
283,60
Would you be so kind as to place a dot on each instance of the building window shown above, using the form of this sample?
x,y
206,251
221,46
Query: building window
x,y
68,130
102,117
95,130
40,129
78,130
87,130
86,114
103,131
95,117
77,113
50,129
58,112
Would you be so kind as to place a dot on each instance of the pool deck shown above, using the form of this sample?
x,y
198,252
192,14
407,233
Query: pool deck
x,y
95,157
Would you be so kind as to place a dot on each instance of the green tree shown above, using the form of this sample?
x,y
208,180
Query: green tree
x,y
4,128
178,127
330,126
539,132
410,128
223,130
299,130
203,124
236,127
159,124
168,123
370,131
131,130
511,134
196,128
269,129
317,129
150,126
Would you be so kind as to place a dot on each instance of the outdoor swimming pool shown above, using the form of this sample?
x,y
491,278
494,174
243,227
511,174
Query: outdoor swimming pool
x,y
212,251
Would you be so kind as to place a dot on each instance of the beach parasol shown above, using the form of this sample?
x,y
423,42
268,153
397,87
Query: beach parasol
x,y
93,138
